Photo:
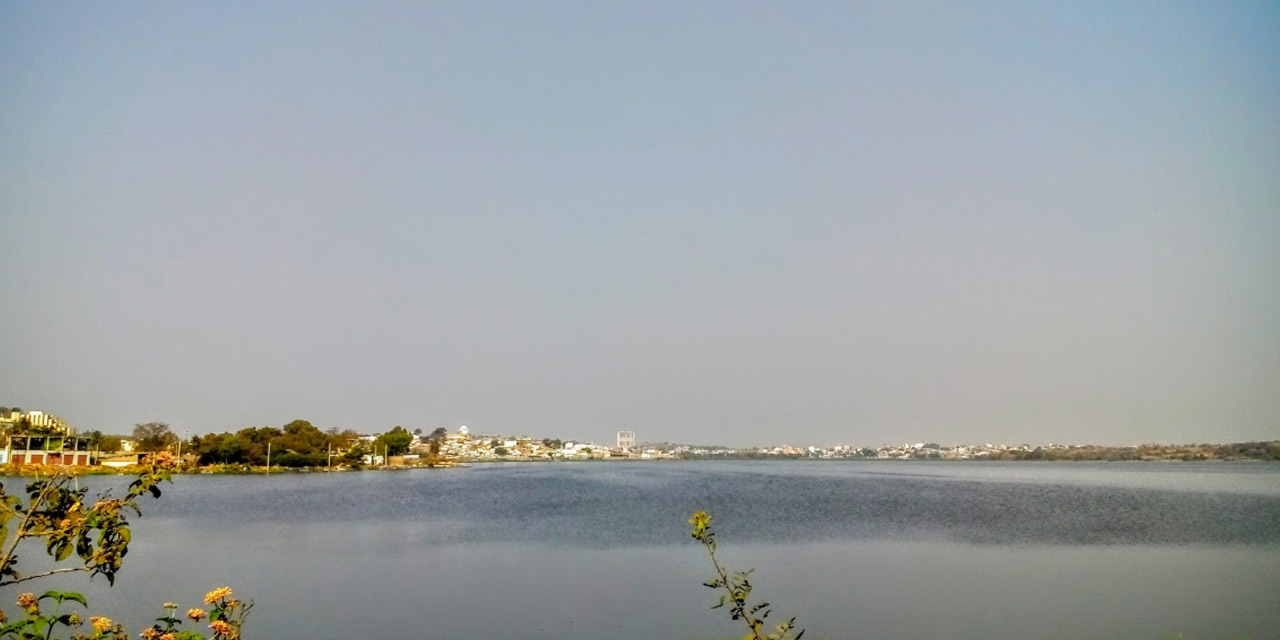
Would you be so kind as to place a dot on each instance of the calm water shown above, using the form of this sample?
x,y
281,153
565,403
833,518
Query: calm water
x,y
855,550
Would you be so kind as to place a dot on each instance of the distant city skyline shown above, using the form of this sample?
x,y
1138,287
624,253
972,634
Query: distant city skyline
x,y
710,223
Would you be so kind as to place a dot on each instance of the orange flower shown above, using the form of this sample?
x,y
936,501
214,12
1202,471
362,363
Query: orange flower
x,y
220,627
216,595
196,614
162,460
150,634
29,602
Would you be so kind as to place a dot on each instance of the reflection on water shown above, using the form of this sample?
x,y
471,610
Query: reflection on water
x,y
868,550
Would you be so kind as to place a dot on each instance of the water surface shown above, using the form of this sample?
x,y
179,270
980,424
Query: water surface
x,y
855,549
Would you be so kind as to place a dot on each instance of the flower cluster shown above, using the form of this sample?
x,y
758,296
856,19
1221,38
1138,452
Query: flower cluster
x,y
99,536
29,603
217,594
162,460
700,521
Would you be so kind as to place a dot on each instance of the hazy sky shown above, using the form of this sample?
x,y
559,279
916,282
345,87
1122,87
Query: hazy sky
x,y
739,223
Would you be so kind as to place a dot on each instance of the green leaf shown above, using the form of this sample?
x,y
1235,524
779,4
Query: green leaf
x,y
63,596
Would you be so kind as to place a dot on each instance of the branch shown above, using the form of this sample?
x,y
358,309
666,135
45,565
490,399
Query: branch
x,y
45,574
21,531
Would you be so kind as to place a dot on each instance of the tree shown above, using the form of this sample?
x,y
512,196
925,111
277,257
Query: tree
x,y
221,448
154,436
109,443
395,442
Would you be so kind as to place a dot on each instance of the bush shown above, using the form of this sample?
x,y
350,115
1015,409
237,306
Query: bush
x,y
98,535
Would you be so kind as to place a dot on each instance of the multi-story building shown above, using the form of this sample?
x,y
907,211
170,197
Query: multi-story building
x,y
37,421
626,440
46,450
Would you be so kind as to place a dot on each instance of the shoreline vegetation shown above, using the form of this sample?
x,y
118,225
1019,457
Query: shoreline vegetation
x,y
37,444
1250,452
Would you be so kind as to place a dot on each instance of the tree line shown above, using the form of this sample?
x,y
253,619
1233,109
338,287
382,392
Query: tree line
x,y
296,444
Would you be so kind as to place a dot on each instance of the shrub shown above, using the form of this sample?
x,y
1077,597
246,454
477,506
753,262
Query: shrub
x,y
99,536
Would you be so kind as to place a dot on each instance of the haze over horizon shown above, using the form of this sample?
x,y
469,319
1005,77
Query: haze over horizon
x,y
711,223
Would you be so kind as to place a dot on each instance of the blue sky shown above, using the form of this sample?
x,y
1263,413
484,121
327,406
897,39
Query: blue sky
x,y
715,222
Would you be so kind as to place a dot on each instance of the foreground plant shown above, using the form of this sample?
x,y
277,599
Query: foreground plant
x,y
226,618
737,589
57,515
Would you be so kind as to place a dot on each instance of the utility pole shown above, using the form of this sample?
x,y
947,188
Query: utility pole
x,y
268,457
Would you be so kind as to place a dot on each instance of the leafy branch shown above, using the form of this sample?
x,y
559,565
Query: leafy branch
x,y
99,535
737,589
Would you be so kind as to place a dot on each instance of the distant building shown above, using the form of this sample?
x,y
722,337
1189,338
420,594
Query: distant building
x,y
37,421
626,440
46,450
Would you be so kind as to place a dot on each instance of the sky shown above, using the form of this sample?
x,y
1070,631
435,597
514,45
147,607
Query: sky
x,y
729,223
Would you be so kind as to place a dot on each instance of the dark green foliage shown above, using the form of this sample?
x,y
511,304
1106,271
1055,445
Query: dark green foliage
x,y
395,442
154,436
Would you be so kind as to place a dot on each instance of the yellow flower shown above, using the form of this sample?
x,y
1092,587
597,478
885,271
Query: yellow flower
x,y
170,605
100,624
700,521
196,614
168,636
74,620
216,595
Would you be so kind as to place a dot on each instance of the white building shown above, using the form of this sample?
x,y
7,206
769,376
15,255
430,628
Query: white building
x,y
626,440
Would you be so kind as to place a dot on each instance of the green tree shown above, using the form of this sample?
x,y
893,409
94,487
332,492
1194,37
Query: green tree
x,y
221,448
395,442
154,436
109,443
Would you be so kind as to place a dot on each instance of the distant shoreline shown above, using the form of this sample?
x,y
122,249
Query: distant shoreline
x,y
246,470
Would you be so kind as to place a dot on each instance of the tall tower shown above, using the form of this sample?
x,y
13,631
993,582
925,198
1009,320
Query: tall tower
x,y
626,440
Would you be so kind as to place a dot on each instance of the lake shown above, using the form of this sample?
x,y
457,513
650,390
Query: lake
x,y
863,549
